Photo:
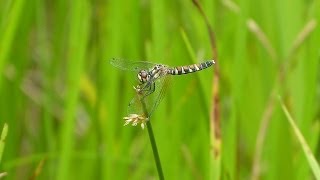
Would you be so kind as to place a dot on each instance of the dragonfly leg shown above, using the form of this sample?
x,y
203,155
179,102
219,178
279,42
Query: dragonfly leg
x,y
145,89
150,90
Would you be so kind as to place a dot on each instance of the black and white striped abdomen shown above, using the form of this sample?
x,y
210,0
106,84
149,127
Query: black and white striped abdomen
x,y
190,68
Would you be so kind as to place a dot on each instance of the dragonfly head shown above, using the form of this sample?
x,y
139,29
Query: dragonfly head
x,y
143,76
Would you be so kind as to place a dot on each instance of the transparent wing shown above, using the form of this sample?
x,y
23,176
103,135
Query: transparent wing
x,y
131,68
131,65
152,100
162,90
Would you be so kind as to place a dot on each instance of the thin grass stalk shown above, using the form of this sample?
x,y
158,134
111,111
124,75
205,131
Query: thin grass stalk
x,y
2,139
304,145
155,150
215,118
215,114
287,65
152,141
79,18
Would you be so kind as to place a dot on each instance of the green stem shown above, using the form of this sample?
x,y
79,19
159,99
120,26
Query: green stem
x,y
153,142
155,150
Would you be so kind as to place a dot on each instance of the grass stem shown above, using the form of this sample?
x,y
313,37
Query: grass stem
x,y
153,141
155,150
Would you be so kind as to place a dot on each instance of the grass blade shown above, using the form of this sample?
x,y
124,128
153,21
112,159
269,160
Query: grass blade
x,y
3,137
306,149
79,27
7,35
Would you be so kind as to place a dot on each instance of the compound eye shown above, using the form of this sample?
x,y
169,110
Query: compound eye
x,y
143,76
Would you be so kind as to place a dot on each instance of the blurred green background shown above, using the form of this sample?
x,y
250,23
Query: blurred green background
x,y
64,102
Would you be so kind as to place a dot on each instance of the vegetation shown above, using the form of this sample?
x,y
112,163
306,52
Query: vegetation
x,y
62,102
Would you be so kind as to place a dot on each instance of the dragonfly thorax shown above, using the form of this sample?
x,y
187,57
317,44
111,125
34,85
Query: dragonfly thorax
x,y
144,76
152,74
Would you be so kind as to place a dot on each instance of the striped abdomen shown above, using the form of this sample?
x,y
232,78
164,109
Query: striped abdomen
x,y
190,68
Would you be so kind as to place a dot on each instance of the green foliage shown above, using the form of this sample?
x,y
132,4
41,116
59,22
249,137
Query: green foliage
x,y
64,102
306,149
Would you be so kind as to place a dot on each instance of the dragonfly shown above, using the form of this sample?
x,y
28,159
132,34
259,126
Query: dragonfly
x,y
153,80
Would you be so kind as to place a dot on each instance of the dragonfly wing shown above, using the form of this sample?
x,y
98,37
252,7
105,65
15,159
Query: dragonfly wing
x,y
131,65
135,106
151,101
161,89
142,101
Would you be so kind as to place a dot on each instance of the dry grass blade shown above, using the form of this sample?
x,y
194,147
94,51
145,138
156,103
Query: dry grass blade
x,y
256,168
3,174
256,30
210,31
302,36
38,170
215,114
231,6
